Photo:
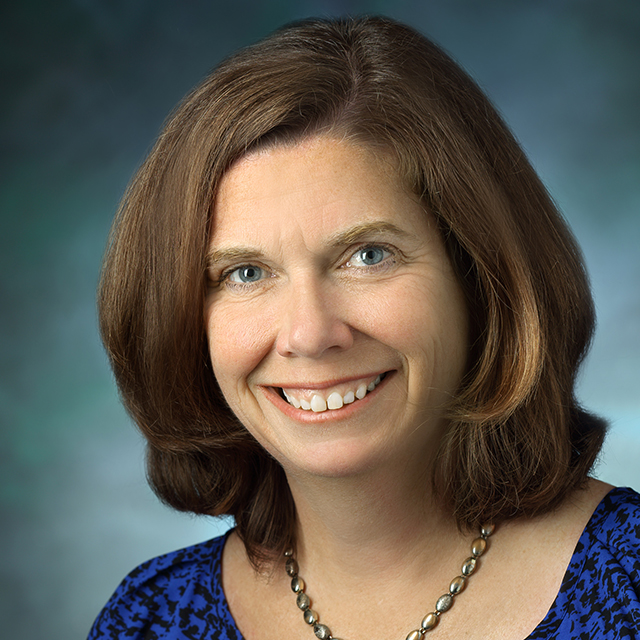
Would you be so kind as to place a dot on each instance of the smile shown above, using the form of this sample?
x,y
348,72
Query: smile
x,y
332,398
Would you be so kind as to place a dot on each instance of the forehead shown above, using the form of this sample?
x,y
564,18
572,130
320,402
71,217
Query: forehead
x,y
318,185
319,162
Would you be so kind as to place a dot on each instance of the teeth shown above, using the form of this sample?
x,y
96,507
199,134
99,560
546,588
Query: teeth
x,y
318,403
291,400
335,401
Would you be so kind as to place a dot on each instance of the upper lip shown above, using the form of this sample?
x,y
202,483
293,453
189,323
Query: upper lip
x,y
298,384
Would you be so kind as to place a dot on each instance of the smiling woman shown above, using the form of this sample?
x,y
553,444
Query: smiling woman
x,y
335,284
342,308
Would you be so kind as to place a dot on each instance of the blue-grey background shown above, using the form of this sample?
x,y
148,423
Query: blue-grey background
x,y
85,87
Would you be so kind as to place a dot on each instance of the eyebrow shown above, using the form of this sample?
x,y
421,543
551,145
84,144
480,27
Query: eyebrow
x,y
357,233
231,254
366,230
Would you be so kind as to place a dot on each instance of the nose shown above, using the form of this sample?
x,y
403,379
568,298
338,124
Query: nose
x,y
312,323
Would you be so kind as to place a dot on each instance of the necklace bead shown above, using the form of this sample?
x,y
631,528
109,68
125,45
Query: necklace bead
x,y
444,603
297,584
310,616
429,622
468,567
291,567
322,631
303,601
457,585
478,547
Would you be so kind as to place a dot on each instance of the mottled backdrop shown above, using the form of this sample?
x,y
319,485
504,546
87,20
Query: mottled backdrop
x,y
85,87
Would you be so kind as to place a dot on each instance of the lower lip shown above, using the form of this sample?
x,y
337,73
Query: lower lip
x,y
313,417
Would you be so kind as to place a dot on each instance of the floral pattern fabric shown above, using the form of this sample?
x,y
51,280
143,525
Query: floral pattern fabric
x,y
178,596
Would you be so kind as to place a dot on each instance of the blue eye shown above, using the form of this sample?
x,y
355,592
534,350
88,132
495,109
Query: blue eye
x,y
246,275
372,255
368,256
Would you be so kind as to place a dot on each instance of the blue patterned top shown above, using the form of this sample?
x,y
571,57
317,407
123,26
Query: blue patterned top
x,y
179,596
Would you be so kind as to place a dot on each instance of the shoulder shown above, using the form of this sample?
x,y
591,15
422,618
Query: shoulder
x,y
600,593
610,547
173,596
616,523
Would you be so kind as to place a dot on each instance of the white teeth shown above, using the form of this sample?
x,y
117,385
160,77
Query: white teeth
x,y
291,400
318,403
335,401
374,384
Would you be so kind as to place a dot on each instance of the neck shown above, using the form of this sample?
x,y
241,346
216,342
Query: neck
x,y
370,524
382,532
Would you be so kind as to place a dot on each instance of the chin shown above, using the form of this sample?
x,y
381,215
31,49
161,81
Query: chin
x,y
343,458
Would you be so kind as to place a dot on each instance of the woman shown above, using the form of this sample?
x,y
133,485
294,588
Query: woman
x,y
342,308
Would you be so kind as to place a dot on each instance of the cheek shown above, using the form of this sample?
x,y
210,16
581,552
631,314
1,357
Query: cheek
x,y
416,311
427,322
238,341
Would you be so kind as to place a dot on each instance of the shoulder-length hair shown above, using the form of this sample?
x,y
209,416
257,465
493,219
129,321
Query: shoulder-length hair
x,y
517,442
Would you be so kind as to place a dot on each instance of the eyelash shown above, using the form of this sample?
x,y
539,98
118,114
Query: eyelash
x,y
223,278
386,262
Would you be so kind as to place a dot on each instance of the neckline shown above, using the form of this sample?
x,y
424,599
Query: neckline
x,y
557,611
574,567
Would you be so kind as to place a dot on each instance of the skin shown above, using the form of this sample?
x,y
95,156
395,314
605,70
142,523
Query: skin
x,y
325,271
321,318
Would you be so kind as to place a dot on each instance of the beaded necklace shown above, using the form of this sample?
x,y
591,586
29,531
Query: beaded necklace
x,y
429,622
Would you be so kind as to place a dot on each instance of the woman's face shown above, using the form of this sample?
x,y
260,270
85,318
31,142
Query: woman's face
x,y
329,285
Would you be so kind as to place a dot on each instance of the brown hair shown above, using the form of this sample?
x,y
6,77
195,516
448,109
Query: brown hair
x,y
517,441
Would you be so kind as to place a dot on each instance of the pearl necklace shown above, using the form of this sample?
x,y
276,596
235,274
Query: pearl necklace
x,y
429,622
